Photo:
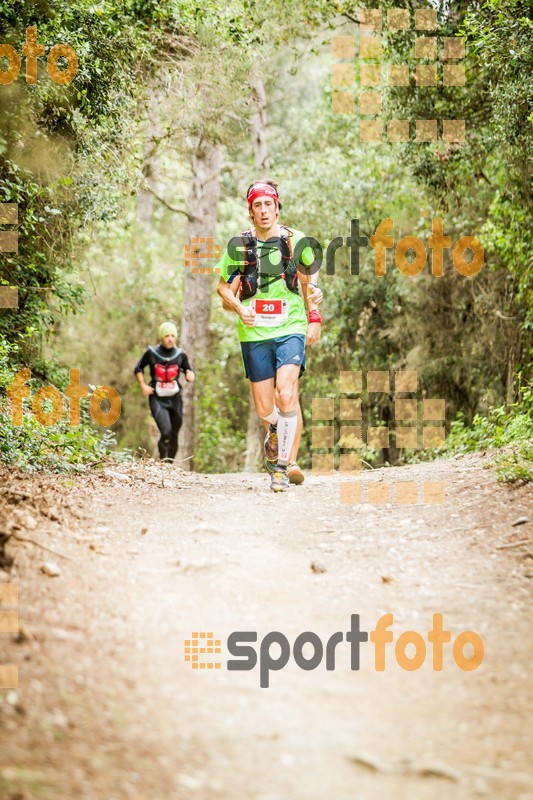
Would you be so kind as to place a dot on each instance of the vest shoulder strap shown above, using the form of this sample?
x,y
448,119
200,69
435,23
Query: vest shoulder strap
x,y
174,354
248,238
286,234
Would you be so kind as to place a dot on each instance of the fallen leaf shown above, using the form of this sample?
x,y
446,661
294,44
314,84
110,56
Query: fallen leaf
x,y
202,529
370,762
435,769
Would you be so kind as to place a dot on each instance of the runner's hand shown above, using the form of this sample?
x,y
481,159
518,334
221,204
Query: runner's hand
x,y
247,315
314,293
147,390
313,332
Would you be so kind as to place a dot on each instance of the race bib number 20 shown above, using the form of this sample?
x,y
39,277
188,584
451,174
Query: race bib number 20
x,y
270,313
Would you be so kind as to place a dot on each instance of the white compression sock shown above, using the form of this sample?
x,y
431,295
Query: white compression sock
x,y
288,422
272,417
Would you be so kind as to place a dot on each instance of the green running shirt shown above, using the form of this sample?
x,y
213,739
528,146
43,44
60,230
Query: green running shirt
x,y
276,290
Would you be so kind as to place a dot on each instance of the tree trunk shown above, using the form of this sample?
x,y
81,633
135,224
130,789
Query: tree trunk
x,y
145,199
255,434
512,355
202,208
258,123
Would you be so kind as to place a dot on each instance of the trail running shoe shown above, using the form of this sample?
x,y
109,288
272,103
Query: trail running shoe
x,y
271,466
295,474
271,444
279,480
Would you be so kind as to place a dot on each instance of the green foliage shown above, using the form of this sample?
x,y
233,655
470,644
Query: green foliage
x,y
472,335
513,464
500,32
7,372
42,129
59,448
33,446
220,444
507,430
222,402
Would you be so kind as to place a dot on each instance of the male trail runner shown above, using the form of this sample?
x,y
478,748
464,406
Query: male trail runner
x,y
273,324
294,472
166,361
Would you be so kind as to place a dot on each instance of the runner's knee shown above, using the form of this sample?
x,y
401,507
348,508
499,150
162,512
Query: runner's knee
x,y
262,411
287,398
263,407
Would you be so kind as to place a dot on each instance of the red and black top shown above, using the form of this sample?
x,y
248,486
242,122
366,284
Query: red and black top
x,y
165,364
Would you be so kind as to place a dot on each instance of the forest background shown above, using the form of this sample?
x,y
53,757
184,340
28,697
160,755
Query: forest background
x,y
177,106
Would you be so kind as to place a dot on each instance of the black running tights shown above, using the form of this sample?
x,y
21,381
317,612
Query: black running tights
x,y
168,414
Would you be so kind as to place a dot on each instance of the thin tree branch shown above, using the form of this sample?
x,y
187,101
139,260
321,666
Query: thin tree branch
x,y
348,16
170,207
38,544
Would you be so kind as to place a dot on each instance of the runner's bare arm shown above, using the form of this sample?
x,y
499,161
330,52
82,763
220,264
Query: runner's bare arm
x,y
145,389
225,292
234,285
311,293
312,297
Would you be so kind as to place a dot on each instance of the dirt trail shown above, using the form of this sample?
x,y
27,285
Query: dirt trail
x,y
107,708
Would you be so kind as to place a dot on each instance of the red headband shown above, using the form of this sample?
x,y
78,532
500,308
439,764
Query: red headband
x,y
260,190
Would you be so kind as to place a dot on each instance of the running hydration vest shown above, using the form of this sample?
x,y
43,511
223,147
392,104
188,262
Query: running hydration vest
x,y
250,269
166,374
